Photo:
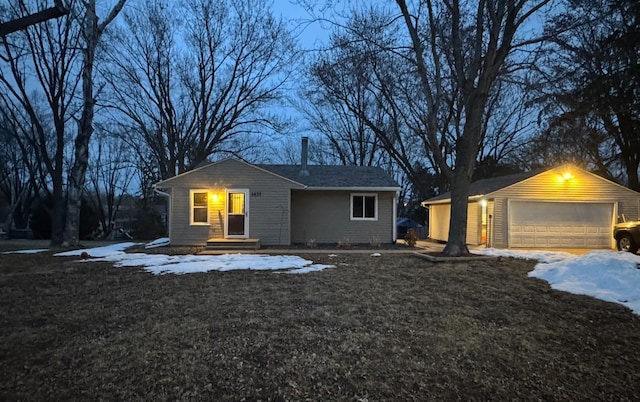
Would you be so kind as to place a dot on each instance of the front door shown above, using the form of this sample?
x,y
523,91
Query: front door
x,y
237,222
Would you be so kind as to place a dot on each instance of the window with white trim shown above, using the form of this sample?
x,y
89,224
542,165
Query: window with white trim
x,y
364,207
199,207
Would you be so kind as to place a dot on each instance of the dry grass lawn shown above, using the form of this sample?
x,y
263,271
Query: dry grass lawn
x,y
389,328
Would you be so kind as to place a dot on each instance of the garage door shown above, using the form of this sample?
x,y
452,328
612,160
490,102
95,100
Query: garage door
x,y
560,224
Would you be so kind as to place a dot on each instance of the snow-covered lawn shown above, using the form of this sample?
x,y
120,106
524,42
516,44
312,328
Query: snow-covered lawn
x,y
187,264
607,275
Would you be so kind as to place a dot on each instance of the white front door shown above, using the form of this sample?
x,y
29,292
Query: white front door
x,y
237,214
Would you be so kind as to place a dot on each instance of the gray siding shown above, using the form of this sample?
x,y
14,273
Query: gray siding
x,y
324,216
546,186
269,200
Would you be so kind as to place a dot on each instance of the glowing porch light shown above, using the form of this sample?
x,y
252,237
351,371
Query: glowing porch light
x,y
214,197
566,176
483,203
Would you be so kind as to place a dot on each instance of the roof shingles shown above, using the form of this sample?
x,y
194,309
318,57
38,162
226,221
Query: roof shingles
x,y
486,186
335,176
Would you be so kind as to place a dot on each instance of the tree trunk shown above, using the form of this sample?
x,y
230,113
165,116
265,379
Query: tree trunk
x,y
81,157
457,241
92,33
57,215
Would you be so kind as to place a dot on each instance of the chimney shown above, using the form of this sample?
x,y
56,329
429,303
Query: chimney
x,y
304,157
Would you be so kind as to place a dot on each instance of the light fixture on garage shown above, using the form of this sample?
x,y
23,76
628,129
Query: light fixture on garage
x,y
566,176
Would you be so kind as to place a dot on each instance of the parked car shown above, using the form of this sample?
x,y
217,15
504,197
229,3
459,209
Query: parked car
x,y
627,235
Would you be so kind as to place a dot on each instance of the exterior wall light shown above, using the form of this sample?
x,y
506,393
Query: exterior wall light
x,y
565,177
483,203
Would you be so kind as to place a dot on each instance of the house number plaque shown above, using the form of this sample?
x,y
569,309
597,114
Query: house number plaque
x,y
256,194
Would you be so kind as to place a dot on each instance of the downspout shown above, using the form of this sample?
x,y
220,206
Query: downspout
x,y
395,218
155,189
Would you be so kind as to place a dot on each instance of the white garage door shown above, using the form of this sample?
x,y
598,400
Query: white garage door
x,y
560,224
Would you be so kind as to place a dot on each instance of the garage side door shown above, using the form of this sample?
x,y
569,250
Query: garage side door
x,y
560,224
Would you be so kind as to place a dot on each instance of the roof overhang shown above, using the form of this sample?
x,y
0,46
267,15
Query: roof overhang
x,y
361,189
162,183
471,198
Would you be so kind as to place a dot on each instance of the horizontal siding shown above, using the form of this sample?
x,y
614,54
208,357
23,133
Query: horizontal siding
x,y
324,216
583,187
268,203
439,217
499,223
474,226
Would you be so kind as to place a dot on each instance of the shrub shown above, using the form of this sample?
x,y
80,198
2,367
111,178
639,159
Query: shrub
x,y
411,238
344,243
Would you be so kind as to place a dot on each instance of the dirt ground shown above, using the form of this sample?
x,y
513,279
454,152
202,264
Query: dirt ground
x,y
389,328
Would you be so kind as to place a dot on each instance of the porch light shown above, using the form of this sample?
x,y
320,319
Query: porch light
x,y
483,203
214,197
566,176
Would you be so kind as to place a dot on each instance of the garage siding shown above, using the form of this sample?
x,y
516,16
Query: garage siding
x,y
583,187
440,218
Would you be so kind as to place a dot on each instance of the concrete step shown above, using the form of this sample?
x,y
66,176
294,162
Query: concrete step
x,y
233,244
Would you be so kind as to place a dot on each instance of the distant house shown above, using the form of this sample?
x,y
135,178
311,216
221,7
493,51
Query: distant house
x,y
232,200
560,207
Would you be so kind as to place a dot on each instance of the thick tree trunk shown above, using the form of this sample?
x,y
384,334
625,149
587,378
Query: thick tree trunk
x,y
457,241
467,151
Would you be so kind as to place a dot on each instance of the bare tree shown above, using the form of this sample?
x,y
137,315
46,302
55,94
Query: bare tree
x,y
38,81
58,10
460,51
109,176
590,86
92,31
189,81
364,83
16,177
337,92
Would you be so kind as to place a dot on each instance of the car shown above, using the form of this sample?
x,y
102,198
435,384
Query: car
x,y
627,235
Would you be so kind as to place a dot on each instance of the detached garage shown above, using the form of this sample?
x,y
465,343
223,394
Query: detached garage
x,y
564,207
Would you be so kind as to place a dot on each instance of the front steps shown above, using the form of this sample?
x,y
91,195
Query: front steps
x,y
232,244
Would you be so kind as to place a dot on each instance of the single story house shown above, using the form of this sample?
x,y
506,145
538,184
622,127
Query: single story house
x,y
234,201
563,207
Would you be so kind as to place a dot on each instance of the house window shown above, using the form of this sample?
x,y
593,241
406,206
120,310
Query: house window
x,y
364,207
199,207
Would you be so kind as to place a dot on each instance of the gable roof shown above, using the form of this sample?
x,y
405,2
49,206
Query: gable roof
x,y
486,186
320,177
336,177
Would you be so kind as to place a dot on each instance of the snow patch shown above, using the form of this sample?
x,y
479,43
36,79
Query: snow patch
x,y
34,251
606,275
